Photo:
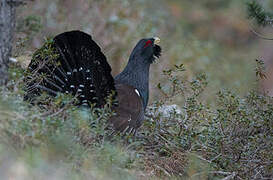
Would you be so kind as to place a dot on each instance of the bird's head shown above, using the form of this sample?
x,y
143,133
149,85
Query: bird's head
x,y
148,49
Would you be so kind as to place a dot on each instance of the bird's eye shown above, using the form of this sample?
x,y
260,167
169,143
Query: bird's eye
x,y
147,43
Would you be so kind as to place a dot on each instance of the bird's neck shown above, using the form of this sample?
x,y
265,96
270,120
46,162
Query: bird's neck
x,y
136,75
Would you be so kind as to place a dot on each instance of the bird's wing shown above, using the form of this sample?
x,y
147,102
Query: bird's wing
x,y
130,111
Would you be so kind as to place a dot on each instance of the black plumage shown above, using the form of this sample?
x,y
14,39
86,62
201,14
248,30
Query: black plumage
x,y
80,68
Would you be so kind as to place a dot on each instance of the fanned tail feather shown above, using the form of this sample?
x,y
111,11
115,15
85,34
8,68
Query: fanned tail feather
x,y
80,69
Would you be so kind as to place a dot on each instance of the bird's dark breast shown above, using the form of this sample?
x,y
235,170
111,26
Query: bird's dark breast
x,y
130,111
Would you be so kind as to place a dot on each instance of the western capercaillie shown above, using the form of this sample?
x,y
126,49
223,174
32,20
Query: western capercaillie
x,y
81,69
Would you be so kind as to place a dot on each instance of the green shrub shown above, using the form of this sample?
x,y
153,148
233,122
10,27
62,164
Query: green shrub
x,y
194,140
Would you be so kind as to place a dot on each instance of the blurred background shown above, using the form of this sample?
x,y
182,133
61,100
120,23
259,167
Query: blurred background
x,y
208,36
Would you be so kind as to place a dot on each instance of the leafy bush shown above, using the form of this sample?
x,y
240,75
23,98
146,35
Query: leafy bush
x,y
232,139
70,142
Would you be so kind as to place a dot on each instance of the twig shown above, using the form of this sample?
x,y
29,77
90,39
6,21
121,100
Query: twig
x,y
259,35
230,175
162,169
202,158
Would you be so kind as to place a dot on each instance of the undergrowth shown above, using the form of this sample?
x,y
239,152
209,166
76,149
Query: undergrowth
x,y
193,140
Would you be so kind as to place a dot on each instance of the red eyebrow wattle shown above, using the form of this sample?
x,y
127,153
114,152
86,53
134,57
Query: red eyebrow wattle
x,y
147,43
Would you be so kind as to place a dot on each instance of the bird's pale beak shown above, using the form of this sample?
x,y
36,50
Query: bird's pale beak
x,y
156,40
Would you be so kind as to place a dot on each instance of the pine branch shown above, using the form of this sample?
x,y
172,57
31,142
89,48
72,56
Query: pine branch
x,y
258,13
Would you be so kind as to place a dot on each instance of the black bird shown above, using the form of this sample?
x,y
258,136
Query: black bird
x,y
82,70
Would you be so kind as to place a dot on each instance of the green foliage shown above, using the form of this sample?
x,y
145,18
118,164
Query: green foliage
x,y
47,53
44,58
27,27
30,24
260,69
232,139
257,12
61,135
